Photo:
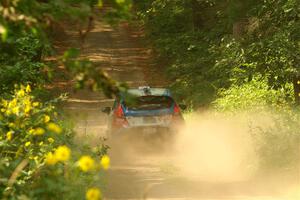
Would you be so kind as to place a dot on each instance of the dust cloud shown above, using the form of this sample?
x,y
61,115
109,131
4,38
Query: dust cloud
x,y
214,154
215,147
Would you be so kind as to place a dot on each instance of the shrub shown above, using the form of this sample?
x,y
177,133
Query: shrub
x,y
38,160
277,140
253,95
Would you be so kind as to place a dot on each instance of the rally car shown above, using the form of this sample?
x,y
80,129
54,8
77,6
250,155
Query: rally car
x,y
144,111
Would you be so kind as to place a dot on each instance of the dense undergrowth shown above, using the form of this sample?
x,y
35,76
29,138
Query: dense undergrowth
x,y
38,156
234,56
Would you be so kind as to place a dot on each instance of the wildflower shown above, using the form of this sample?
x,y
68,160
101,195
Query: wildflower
x,y
27,144
105,162
54,127
62,153
50,159
12,104
50,140
28,89
31,131
7,112
46,118
9,135
16,110
27,108
21,93
93,194
3,110
86,163
38,131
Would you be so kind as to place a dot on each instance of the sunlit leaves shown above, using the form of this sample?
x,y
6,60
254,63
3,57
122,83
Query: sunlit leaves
x,y
3,32
100,3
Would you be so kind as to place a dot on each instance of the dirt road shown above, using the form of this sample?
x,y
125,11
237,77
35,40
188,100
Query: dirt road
x,y
152,175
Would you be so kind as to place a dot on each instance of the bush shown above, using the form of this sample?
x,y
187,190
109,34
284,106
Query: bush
x,y
253,95
38,160
277,140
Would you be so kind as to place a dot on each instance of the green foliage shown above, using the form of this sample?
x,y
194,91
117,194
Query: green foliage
x,y
35,163
253,96
118,11
38,159
210,45
87,75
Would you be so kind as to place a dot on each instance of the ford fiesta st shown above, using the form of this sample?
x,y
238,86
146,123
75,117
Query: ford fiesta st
x,y
144,111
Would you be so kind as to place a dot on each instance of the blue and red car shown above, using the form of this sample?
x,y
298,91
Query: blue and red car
x,y
144,110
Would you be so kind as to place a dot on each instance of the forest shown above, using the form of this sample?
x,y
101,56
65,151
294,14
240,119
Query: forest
x,y
229,56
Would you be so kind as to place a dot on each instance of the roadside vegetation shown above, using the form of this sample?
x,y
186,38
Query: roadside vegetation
x,y
234,56
38,156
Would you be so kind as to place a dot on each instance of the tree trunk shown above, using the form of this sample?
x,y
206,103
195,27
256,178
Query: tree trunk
x,y
196,12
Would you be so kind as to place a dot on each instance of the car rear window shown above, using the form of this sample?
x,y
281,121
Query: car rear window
x,y
149,103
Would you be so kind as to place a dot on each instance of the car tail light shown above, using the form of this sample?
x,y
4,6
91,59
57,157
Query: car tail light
x,y
177,117
176,110
119,112
119,119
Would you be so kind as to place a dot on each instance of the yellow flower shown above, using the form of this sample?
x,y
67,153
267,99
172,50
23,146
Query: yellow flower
x,y
35,104
9,135
21,93
46,118
62,153
31,131
50,140
38,131
13,103
27,108
54,127
27,144
41,143
16,110
7,112
86,163
28,89
105,162
93,194
3,110
50,159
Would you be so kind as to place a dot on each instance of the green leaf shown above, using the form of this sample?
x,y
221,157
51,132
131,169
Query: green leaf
x,y
71,53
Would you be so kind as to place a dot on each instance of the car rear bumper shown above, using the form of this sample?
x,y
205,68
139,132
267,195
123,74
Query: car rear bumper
x,y
145,130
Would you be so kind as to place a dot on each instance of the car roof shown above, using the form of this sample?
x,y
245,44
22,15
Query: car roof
x,y
144,91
